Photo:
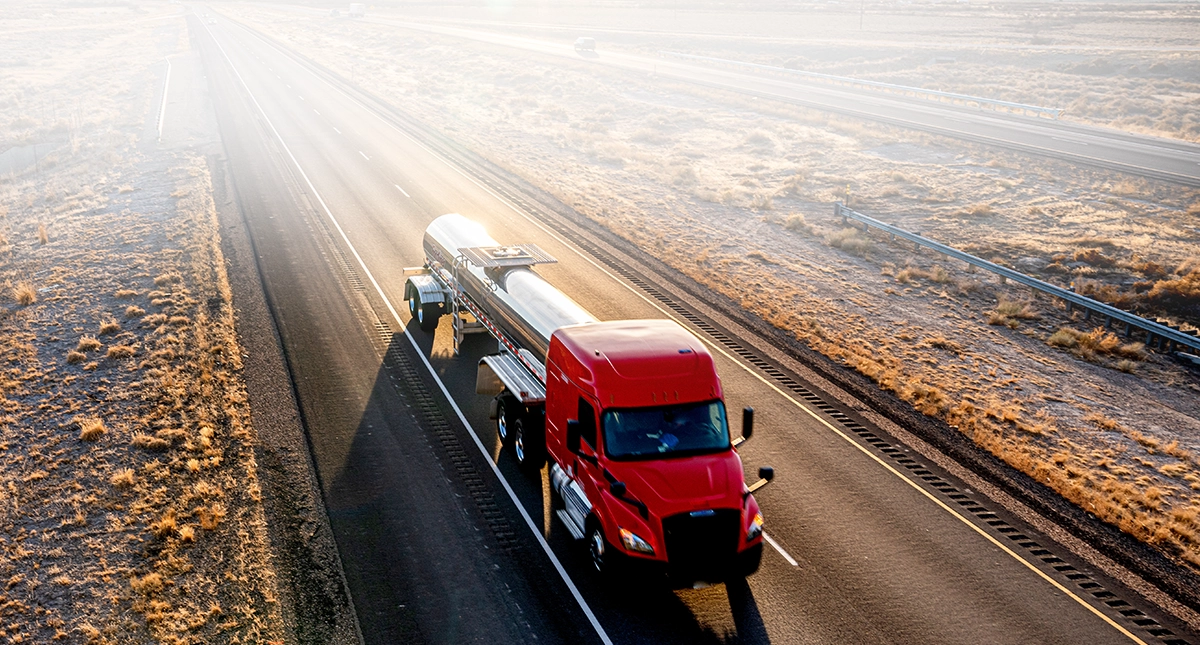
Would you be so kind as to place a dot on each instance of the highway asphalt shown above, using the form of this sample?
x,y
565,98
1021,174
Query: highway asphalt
x,y
442,540
1166,159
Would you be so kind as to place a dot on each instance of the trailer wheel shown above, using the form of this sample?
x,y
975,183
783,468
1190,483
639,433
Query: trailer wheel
x,y
529,444
507,413
427,314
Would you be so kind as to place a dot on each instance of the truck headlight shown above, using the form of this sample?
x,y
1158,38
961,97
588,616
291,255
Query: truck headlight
x,y
632,542
755,528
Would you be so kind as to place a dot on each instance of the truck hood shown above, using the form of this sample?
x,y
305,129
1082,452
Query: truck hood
x,y
669,486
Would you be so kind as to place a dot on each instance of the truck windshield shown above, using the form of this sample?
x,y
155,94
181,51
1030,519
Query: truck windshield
x,y
675,430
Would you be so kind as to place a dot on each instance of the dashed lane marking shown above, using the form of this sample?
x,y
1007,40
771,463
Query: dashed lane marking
x,y
364,155
402,191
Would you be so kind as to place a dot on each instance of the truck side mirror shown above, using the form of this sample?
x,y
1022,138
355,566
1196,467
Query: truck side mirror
x,y
617,489
766,472
573,436
747,422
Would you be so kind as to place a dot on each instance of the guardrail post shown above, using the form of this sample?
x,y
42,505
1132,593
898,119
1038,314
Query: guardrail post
x,y
1108,322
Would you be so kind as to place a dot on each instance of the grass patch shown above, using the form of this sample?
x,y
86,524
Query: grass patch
x,y
24,294
119,351
850,240
91,429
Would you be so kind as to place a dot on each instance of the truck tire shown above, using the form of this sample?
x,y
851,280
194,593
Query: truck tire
x,y
508,410
749,560
605,557
427,314
529,443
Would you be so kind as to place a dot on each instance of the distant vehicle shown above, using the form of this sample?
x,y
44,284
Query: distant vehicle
x,y
357,10
334,13
585,44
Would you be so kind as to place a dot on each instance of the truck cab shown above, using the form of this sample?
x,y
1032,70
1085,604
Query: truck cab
x,y
642,463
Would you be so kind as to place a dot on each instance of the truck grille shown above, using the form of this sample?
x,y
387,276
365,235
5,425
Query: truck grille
x,y
703,542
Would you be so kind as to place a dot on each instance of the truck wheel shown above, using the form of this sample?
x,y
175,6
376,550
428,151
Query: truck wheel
x,y
507,412
605,558
749,560
529,445
427,314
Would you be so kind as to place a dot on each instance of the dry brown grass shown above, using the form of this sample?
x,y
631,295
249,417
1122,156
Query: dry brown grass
x,y
91,429
25,294
74,357
43,237
134,311
87,344
109,327
120,351
850,240
123,478
124,294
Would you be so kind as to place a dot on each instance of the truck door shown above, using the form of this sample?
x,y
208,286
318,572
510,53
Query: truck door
x,y
588,471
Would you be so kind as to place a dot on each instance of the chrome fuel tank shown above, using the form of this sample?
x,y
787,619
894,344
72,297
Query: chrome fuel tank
x,y
525,306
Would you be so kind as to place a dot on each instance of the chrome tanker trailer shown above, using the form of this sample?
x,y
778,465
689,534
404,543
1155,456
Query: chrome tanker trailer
x,y
629,413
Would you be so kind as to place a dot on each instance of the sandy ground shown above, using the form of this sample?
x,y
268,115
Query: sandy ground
x,y
130,506
738,194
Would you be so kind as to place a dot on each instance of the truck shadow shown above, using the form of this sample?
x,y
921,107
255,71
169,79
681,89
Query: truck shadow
x,y
406,418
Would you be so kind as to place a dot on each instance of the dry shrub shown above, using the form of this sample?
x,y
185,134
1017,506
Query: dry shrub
x,y
25,294
120,351
74,357
1101,421
165,527
210,517
87,344
154,320
1094,257
109,327
1066,338
167,278
180,321
1126,365
1017,309
1180,294
796,222
149,442
1147,268
91,429
148,584
941,342
42,236
123,478
850,240
187,534
124,294
134,311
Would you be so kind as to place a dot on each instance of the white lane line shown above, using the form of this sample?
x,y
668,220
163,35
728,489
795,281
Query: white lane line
x,y
317,113
336,130
300,97
288,86
790,559
364,155
402,191
587,610
1068,141
162,113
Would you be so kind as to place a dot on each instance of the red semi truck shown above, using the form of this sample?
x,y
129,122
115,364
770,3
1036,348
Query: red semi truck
x,y
629,413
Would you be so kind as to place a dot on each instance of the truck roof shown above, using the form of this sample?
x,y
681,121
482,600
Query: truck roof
x,y
635,363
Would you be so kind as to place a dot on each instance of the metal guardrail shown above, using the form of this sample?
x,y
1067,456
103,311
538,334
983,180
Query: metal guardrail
x,y
888,87
1158,336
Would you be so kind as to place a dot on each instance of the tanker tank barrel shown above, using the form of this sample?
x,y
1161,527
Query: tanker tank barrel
x,y
499,278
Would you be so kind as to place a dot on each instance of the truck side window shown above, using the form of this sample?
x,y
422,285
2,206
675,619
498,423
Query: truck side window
x,y
587,423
